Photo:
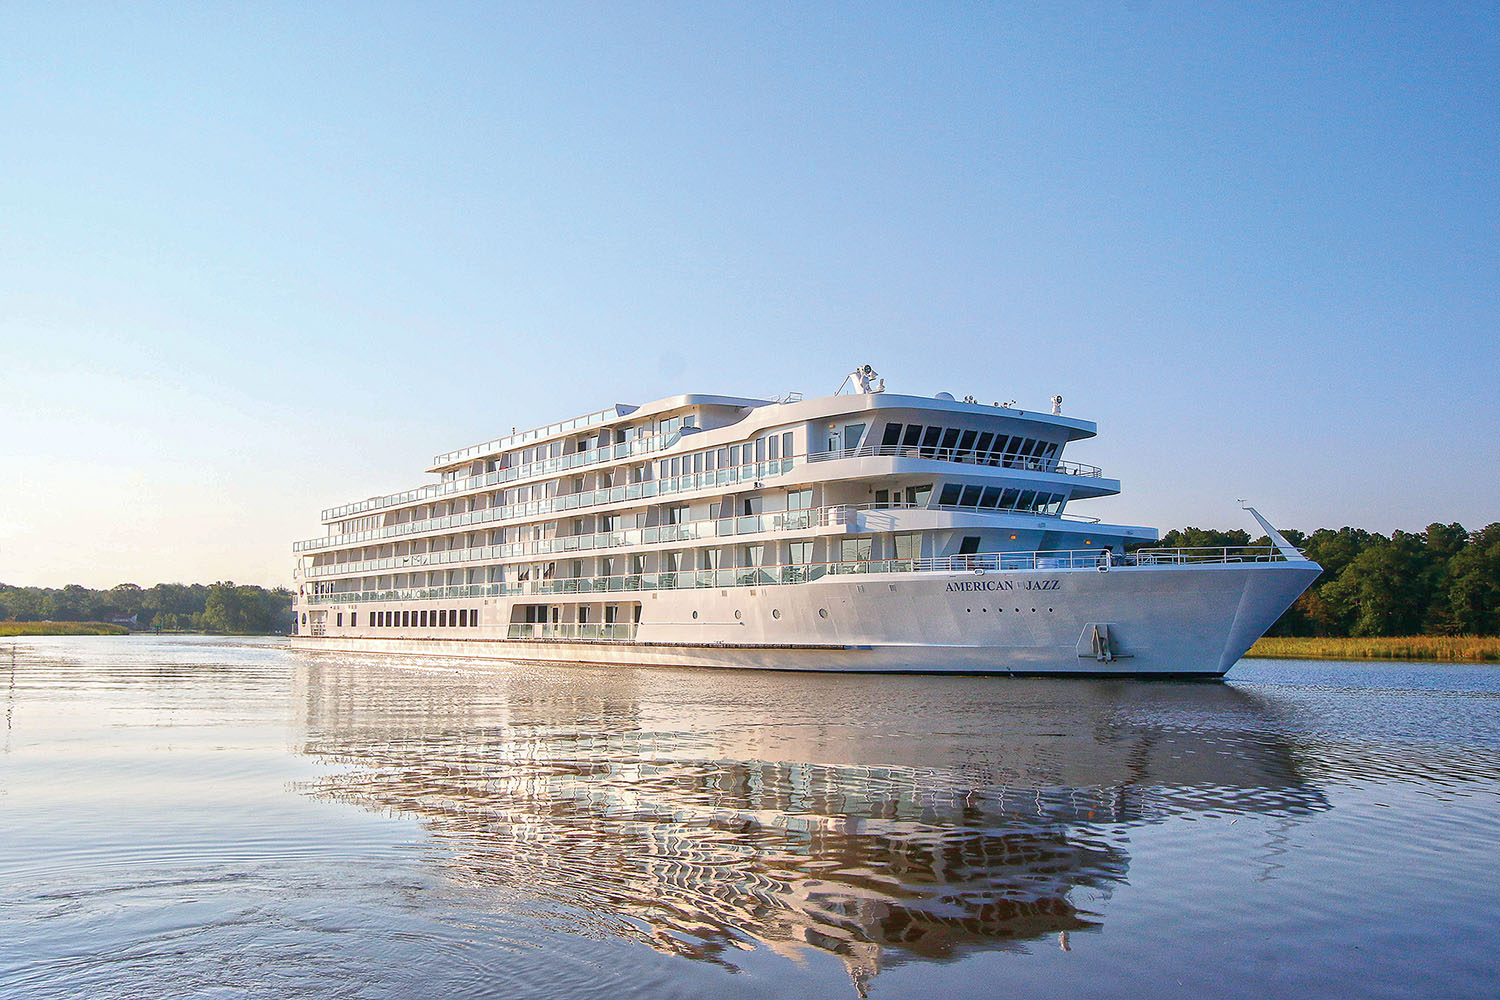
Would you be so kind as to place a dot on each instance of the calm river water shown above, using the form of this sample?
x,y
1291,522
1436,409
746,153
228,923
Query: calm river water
x,y
208,818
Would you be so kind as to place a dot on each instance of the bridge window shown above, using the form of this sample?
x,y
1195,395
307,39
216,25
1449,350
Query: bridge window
x,y
949,496
970,497
966,441
913,436
990,498
892,436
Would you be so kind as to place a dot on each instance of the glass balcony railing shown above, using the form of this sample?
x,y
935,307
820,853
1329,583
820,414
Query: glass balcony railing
x,y
795,573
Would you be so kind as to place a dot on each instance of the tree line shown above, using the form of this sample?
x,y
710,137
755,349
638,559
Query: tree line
x,y
235,609
1441,581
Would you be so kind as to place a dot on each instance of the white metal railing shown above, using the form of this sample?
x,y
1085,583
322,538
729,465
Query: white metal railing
x,y
620,631
687,531
966,456
794,573
1224,554
609,496
535,434
415,593
515,473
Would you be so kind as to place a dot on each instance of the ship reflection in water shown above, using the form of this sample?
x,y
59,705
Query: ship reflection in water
x,y
705,813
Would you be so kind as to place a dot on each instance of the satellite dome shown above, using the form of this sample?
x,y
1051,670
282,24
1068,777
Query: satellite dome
x,y
946,396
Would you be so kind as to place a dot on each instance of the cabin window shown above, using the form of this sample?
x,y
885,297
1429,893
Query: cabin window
x,y
339,618
919,496
950,440
855,549
990,498
760,449
913,436
908,546
473,617
798,499
442,618
882,497
354,619
966,440
1008,499
853,434
1028,499
773,447
423,619
930,440
786,444
892,436
949,496
970,497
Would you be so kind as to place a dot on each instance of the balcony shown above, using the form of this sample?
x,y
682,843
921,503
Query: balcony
x,y
992,459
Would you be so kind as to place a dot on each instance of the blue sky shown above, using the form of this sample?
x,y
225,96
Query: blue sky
x,y
262,260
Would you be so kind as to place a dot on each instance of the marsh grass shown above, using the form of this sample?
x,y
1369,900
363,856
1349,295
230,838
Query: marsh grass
x,y
61,628
1455,648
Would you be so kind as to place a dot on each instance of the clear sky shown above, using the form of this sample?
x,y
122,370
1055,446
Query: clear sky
x,y
260,259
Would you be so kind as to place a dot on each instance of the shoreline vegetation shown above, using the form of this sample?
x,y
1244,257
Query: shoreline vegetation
x,y
12,629
1444,648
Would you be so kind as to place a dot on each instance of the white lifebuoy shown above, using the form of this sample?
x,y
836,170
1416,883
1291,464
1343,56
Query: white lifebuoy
x,y
1103,568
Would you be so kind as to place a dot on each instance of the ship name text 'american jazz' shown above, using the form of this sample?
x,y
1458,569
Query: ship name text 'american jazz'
x,y
863,531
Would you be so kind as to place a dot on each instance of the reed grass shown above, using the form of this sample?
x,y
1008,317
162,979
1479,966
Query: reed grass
x,y
61,628
1453,648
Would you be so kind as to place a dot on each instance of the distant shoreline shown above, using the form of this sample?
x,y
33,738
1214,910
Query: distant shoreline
x,y
1453,649
21,629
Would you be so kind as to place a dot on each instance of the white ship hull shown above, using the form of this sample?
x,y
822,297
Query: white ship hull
x,y
1156,620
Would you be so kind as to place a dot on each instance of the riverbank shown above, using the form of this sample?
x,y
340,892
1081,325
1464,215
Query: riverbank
x,y
1461,648
61,628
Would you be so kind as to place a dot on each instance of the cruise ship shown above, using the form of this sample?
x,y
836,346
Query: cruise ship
x,y
862,531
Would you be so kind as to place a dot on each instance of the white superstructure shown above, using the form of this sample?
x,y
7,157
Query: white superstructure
x,y
870,531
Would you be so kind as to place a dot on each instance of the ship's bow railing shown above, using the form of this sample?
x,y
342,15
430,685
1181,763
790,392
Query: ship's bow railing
x,y
1208,554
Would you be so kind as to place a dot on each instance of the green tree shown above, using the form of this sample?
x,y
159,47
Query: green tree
x,y
1473,584
1384,590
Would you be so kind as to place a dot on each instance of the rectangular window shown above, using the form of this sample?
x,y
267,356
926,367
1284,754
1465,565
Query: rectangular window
x,y
882,497
786,445
773,447
908,546
991,497
919,496
855,549
1001,444
1008,499
405,619
442,618
969,545
949,496
354,619
930,441
950,441
422,619
473,618
853,435
970,497
800,553
966,440
677,466
913,436
892,436
339,618
697,462
798,499
734,455
724,458
760,449
1027,498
